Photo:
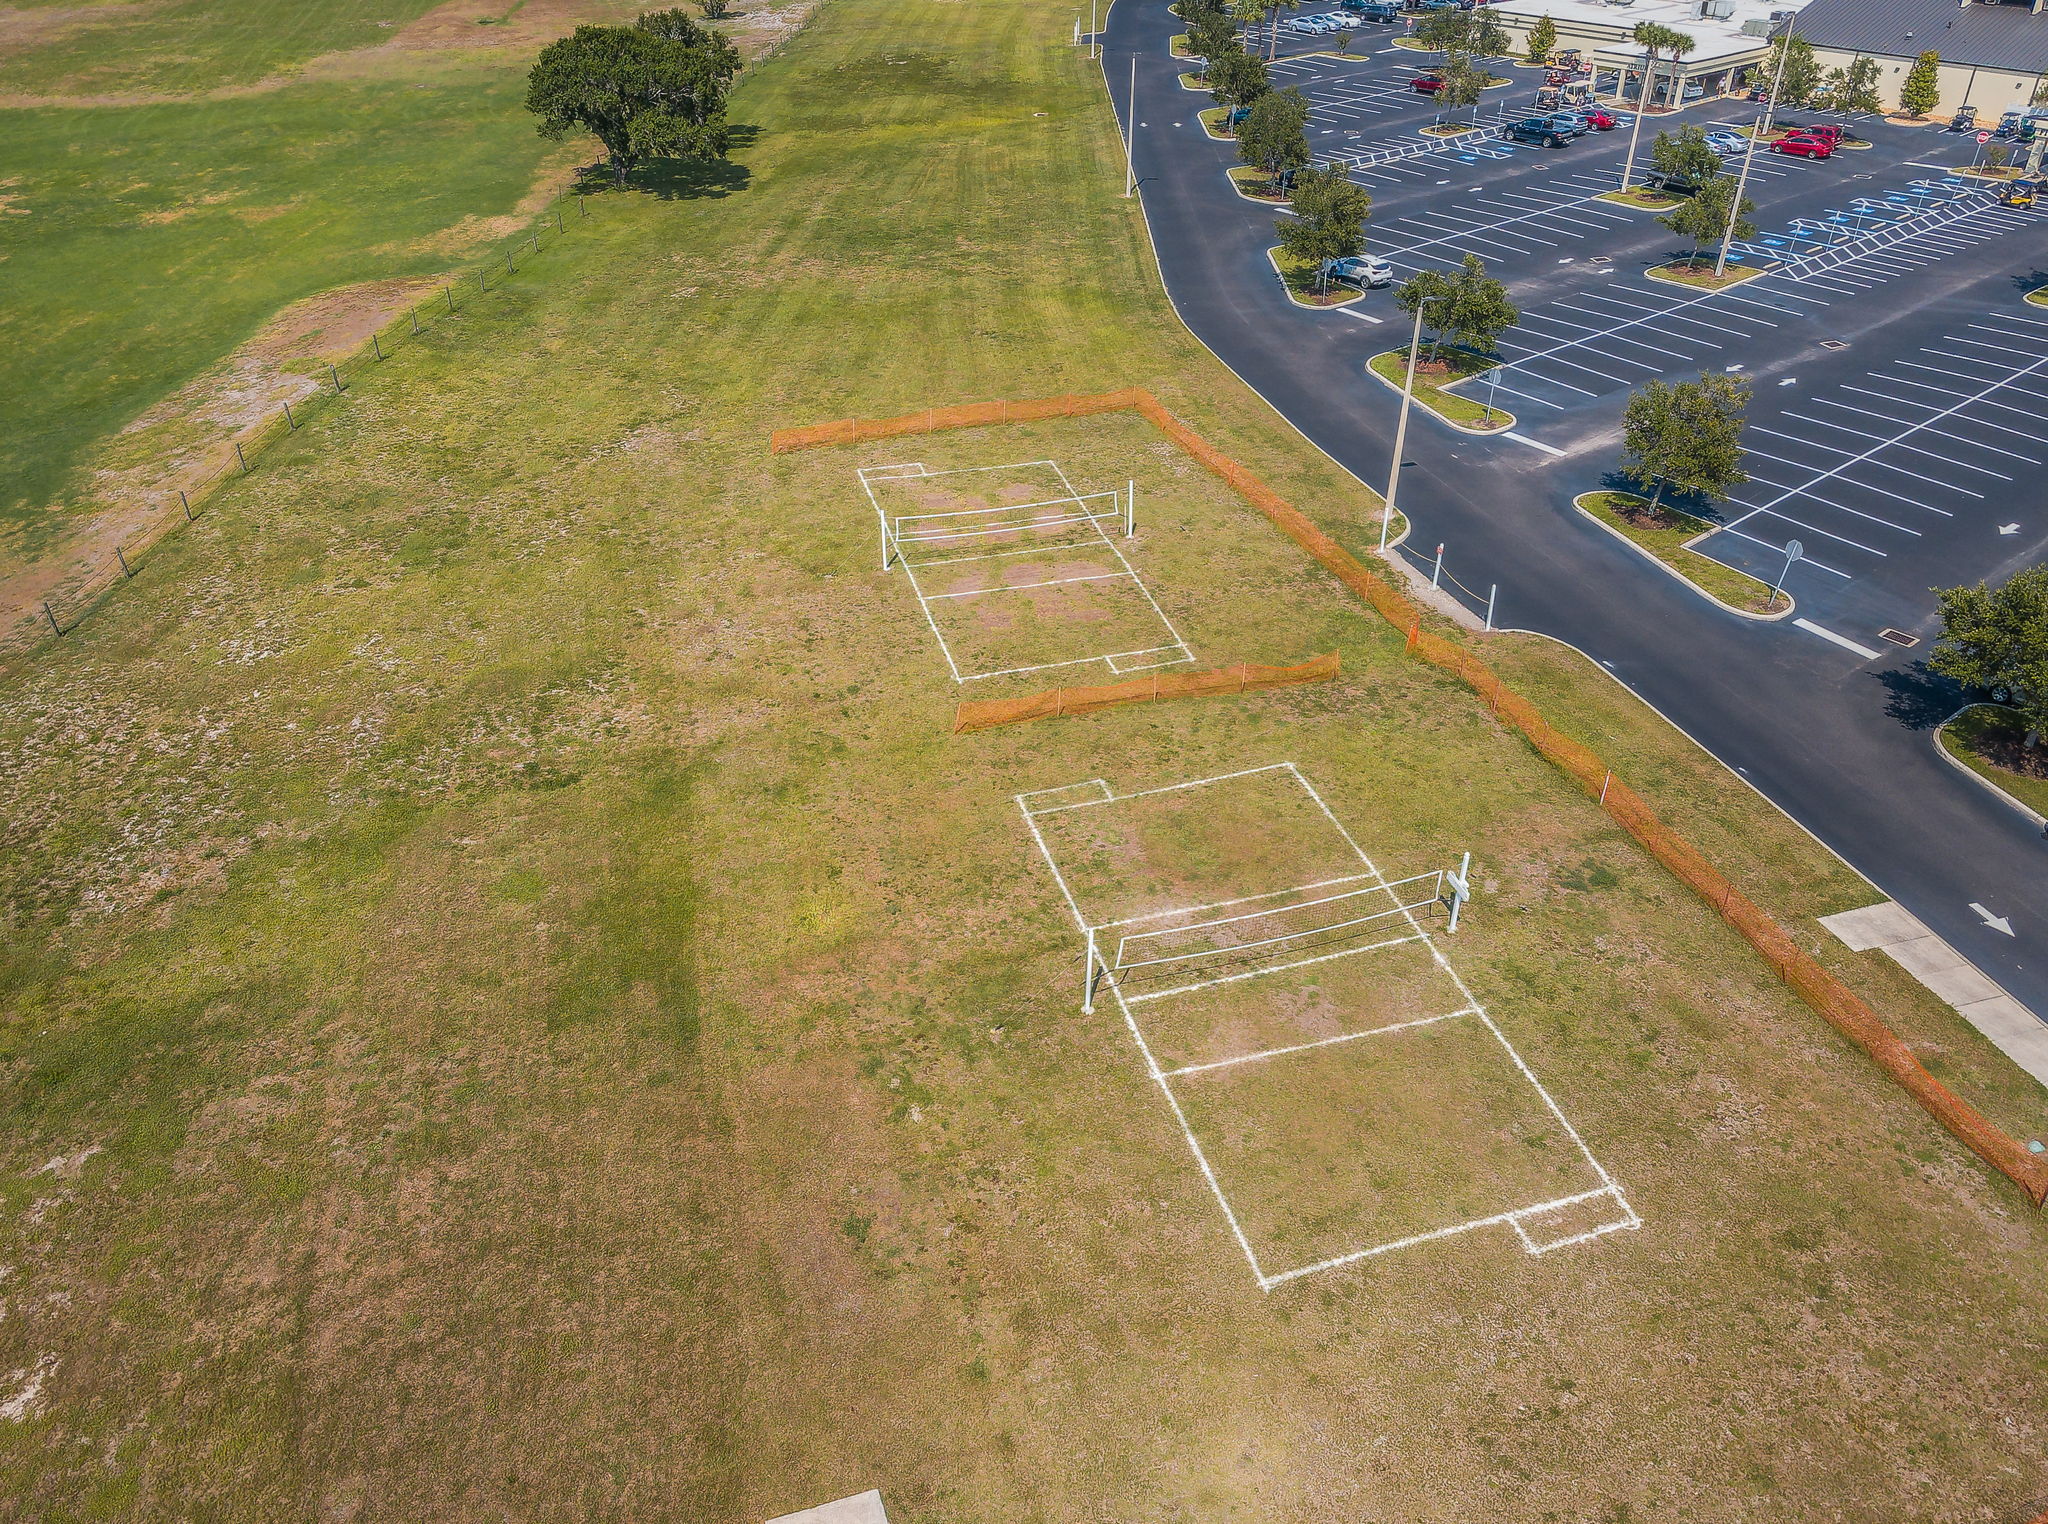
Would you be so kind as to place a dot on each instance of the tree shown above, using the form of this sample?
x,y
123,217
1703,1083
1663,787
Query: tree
x,y
1463,82
1687,436
1677,44
1921,92
1343,41
1445,31
1999,640
1237,79
1466,307
1703,216
1328,221
1855,88
1542,40
1997,155
715,10
1212,37
1489,38
1274,136
646,91
1802,69
1687,152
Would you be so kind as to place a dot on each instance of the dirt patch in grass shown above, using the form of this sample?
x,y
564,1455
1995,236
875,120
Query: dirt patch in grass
x,y
1665,534
1992,741
25,27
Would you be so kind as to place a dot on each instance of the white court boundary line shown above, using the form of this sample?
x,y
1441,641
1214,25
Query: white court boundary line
x,y
1173,653
1608,1187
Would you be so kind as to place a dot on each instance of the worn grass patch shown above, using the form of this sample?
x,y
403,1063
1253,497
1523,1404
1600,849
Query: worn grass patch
x,y
1665,533
513,1004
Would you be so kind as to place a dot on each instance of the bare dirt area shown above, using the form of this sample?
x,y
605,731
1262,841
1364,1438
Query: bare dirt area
x,y
187,438
25,27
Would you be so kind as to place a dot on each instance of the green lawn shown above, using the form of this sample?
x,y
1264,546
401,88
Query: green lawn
x,y
1663,532
159,237
1989,740
514,1005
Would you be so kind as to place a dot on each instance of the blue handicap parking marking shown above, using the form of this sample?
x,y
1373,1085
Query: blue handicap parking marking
x,y
1775,243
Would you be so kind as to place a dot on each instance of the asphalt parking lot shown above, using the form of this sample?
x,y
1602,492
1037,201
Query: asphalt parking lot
x,y
1900,383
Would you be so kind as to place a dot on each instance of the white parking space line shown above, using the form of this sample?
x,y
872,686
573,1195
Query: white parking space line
x,y
1534,444
1966,465
1841,640
1807,493
1815,444
2007,407
1803,560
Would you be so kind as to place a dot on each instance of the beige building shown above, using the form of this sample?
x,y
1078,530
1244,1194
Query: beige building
x,y
1992,56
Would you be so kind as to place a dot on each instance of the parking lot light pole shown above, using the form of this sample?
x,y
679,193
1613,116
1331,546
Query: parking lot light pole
x,y
1756,135
1401,428
1131,131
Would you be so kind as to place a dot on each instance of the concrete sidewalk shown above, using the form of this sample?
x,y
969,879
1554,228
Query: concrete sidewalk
x,y
1896,932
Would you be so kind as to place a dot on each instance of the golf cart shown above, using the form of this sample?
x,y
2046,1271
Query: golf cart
x,y
2009,124
1965,120
2017,193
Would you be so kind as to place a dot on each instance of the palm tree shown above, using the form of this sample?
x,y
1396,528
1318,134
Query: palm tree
x,y
1652,38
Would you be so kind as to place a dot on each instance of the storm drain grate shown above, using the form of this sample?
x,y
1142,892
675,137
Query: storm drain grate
x,y
1899,637
1834,343
1602,259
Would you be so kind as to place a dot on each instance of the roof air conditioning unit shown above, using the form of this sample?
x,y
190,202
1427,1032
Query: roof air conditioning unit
x,y
1758,28
1716,10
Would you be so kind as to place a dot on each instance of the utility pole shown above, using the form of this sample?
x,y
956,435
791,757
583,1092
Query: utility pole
x,y
1756,135
1401,428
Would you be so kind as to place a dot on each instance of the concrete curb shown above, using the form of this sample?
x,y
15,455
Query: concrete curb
x,y
1791,603
1976,777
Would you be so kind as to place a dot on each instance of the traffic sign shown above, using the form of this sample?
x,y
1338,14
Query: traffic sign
x,y
1983,138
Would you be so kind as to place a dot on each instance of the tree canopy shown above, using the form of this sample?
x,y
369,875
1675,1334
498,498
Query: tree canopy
x,y
1445,31
1542,40
1489,39
1703,216
1921,92
1688,435
1853,88
1463,82
1999,640
1802,69
1687,152
652,90
1237,78
1466,306
1329,217
1274,137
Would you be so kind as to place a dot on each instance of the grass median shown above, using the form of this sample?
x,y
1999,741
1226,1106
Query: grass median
x,y
1433,375
1991,741
1664,533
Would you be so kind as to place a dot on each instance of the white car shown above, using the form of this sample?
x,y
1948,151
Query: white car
x,y
1340,21
1727,144
1303,24
1367,271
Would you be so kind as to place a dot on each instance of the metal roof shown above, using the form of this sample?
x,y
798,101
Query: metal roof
x,y
1989,36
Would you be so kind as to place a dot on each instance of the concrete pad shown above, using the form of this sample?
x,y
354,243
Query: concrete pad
x,y
1959,984
2013,1027
1876,926
864,1509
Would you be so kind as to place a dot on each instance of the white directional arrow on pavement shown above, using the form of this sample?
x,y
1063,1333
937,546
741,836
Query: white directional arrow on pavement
x,y
1995,922
2008,529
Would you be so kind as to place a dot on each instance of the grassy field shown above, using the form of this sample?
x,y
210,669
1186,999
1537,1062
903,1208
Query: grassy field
x,y
1431,379
515,1006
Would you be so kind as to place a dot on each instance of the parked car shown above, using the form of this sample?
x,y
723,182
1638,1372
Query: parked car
x,y
1366,271
1671,182
1426,84
1804,146
1340,21
1302,24
1534,129
1373,10
1599,120
1570,123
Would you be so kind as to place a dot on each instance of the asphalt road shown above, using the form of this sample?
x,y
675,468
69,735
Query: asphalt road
x,y
1841,741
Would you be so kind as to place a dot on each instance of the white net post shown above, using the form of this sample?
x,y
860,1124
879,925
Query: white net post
x,y
1130,509
886,548
1460,885
1088,978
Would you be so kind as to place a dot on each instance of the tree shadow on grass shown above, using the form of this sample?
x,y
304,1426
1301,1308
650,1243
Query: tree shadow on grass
x,y
1920,700
679,179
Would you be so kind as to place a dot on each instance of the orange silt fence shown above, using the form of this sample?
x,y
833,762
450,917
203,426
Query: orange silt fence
x,y
1244,677
1838,1005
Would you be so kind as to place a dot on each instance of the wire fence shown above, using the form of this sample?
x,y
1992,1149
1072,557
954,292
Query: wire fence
x,y
239,455
1841,1007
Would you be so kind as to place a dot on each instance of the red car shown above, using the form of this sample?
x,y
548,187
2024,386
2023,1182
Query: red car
x,y
1599,120
1426,84
1804,146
